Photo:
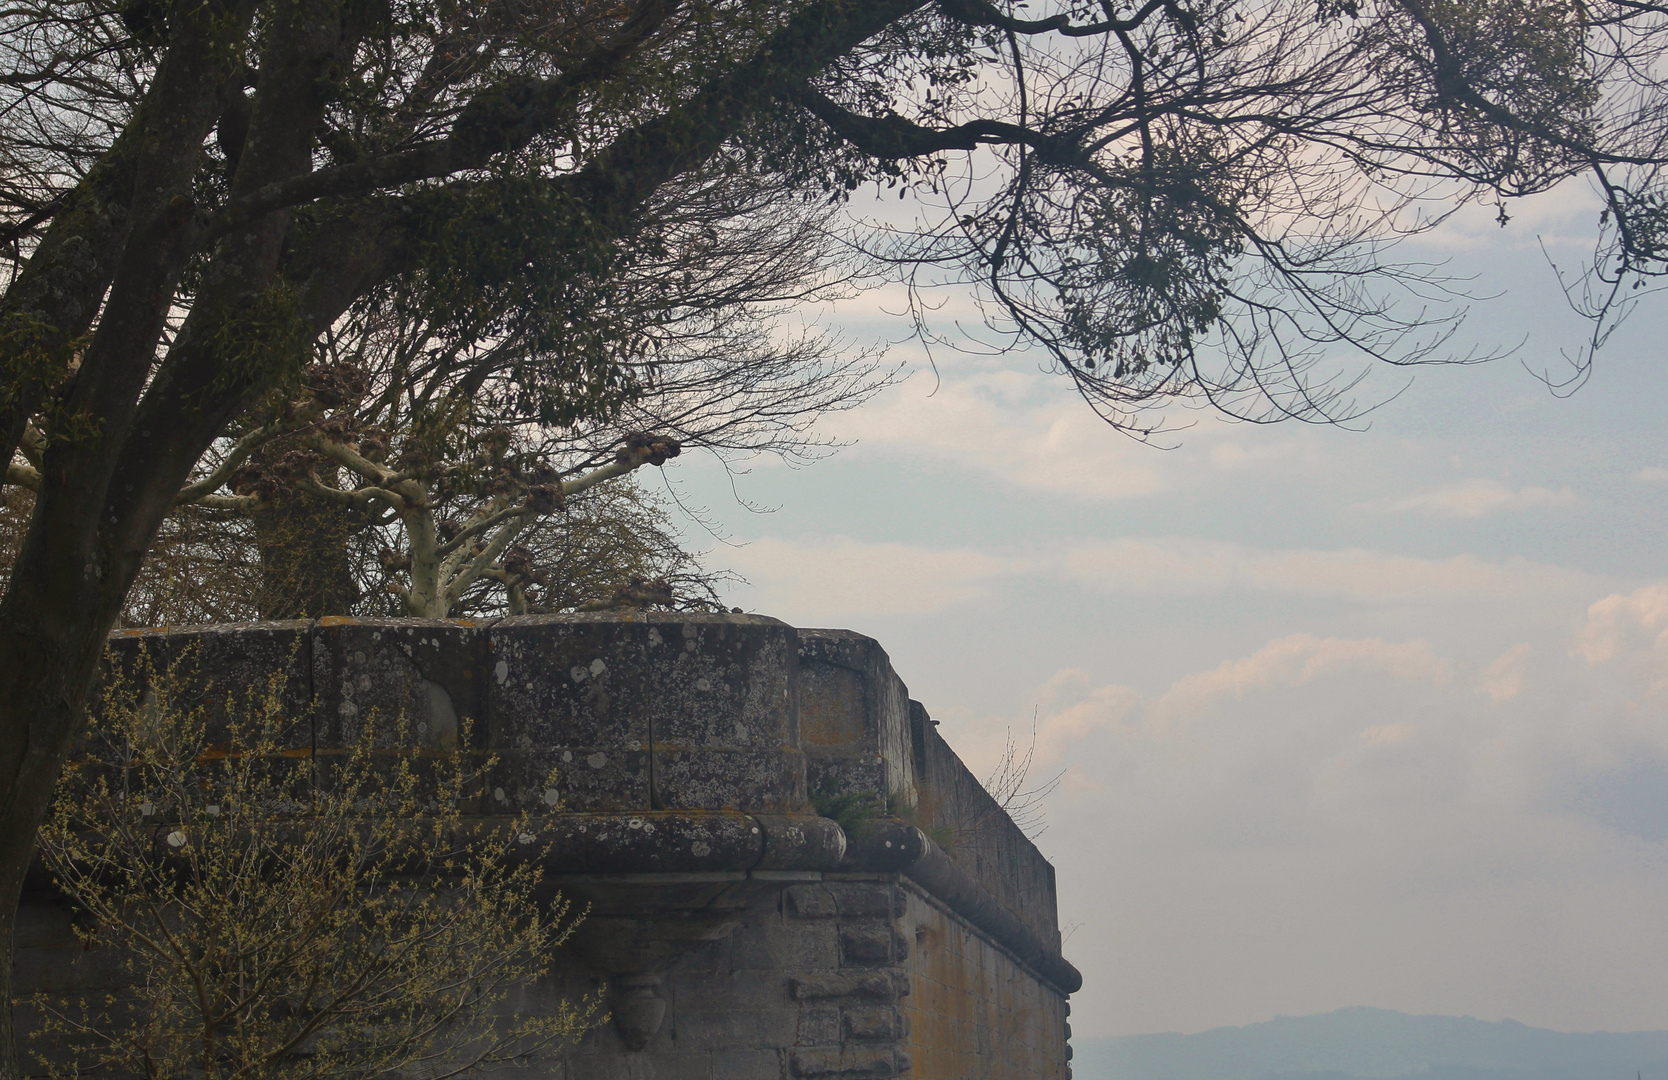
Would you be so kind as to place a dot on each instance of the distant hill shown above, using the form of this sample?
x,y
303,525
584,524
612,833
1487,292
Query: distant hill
x,y
1361,1043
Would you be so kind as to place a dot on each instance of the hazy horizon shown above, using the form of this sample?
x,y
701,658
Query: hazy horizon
x,y
1663,1030
1362,1043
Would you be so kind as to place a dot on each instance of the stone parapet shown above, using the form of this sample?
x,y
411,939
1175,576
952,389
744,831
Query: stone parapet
x,y
740,936
861,732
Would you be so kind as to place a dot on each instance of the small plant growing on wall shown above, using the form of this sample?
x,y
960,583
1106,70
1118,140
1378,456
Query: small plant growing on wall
x,y
282,916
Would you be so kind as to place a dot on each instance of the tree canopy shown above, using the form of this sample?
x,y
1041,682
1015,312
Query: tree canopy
x,y
1173,197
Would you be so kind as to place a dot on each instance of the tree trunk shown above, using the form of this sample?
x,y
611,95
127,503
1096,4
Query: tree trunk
x,y
305,571
54,624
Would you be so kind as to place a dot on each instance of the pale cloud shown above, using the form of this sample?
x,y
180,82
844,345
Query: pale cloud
x,y
1072,712
1199,566
1652,474
1028,428
1623,621
1011,424
812,580
1295,661
1561,217
1387,734
1502,680
1475,498
1269,811
1631,629
1097,709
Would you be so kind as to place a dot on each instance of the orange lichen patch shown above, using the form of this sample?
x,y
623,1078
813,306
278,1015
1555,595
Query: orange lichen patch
x,y
830,706
222,751
338,620
974,1013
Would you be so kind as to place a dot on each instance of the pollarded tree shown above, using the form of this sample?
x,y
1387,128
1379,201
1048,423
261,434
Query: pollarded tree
x,y
1176,197
420,460
441,441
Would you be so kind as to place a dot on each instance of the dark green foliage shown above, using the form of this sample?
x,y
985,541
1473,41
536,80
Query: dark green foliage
x,y
850,809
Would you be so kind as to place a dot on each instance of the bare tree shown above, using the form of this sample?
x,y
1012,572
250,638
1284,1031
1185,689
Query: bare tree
x,y
1186,198
271,926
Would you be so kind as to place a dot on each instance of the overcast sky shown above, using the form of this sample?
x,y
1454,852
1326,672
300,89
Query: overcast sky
x,y
1346,717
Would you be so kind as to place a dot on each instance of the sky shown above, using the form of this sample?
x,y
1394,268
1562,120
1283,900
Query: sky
x,y
1366,716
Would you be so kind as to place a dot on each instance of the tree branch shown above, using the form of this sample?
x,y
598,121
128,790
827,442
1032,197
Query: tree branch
x,y
892,136
477,527
240,453
980,13
497,120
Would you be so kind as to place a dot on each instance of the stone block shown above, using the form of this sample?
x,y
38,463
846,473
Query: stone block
x,y
809,902
865,946
712,696
787,946
554,683
854,707
873,1023
718,778
848,1062
227,670
425,674
748,1065
717,1024
880,985
818,1025
584,779
607,1063
673,1065
865,899
714,680
831,709
725,681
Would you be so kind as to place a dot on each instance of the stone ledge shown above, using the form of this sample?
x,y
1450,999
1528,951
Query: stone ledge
x,y
673,841
887,844
881,986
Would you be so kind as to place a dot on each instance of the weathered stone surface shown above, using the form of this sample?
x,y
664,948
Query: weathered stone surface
x,y
865,899
809,902
709,700
870,1023
748,939
423,672
854,1062
748,1065
974,1012
722,778
800,842
883,986
871,944
226,669
854,715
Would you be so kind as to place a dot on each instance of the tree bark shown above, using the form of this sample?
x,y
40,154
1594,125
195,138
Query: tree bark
x,y
305,572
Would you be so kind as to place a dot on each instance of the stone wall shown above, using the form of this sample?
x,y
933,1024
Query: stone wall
x,y
738,934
